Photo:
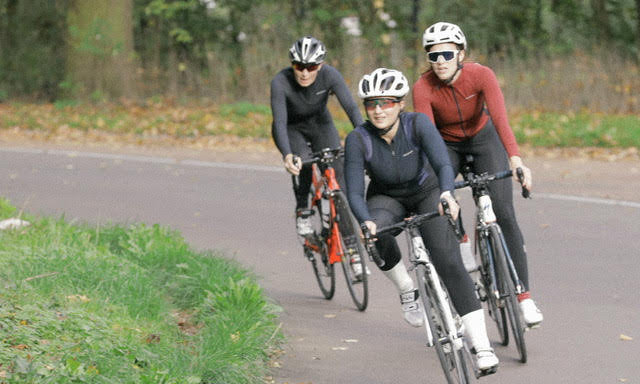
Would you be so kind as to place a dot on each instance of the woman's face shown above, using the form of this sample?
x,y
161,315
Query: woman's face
x,y
383,111
306,74
438,55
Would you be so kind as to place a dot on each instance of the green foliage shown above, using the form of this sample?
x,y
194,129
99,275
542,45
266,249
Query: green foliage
x,y
126,304
31,42
227,46
242,109
577,130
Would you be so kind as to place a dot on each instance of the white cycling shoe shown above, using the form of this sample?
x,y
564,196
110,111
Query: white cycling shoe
x,y
357,268
303,226
476,333
486,360
531,314
412,309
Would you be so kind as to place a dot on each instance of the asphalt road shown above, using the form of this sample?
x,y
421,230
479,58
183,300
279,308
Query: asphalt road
x,y
582,230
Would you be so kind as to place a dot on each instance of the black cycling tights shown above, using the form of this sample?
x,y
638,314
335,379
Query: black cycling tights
x,y
438,237
489,156
319,140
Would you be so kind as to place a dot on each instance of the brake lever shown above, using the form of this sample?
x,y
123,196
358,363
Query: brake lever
x,y
447,212
525,192
371,248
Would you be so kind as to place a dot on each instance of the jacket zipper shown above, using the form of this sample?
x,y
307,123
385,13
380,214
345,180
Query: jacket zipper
x,y
453,92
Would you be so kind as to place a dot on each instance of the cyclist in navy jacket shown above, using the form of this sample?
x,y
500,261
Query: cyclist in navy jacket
x,y
410,171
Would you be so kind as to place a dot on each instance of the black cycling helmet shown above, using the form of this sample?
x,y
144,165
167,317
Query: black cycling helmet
x,y
307,50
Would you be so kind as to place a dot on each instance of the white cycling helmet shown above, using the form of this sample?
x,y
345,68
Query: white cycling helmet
x,y
307,50
383,82
443,32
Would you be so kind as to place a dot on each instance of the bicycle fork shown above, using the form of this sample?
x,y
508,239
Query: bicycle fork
x,y
512,268
420,256
491,265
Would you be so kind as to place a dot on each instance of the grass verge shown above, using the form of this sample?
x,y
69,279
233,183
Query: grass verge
x,y
129,304
205,125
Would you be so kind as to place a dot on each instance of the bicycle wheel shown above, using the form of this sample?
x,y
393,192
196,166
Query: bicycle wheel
x,y
507,288
494,304
354,252
453,359
317,252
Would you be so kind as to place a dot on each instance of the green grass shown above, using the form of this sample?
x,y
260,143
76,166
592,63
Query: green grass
x,y
192,122
577,130
103,305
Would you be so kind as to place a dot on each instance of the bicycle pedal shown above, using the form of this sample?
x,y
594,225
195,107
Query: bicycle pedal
x,y
532,326
305,213
486,372
481,294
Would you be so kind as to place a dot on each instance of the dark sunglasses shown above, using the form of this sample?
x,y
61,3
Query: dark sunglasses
x,y
446,55
371,104
301,67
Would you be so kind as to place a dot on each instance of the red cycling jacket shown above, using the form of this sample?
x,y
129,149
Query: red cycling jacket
x,y
458,109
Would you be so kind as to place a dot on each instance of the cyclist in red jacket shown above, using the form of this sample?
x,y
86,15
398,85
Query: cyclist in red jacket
x,y
465,102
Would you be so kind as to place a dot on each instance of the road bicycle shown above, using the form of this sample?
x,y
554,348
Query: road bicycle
x,y
336,236
442,323
498,283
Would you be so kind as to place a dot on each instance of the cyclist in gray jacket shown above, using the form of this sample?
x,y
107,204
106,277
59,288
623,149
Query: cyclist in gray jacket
x,y
301,121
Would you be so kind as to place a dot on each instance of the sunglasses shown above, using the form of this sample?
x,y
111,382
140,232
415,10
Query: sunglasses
x,y
301,67
371,104
446,55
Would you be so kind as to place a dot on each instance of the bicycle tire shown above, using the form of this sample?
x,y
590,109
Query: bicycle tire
x,y
452,359
353,246
317,252
509,293
494,304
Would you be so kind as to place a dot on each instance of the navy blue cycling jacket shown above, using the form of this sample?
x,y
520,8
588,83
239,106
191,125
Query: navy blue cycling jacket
x,y
397,168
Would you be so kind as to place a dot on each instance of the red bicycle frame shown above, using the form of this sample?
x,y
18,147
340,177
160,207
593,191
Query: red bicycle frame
x,y
325,184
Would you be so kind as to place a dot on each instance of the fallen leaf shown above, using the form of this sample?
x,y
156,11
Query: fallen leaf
x,y
152,339
339,348
13,223
81,298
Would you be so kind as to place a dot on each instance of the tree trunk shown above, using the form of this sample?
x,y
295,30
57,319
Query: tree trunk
x,y
100,49
638,26
8,43
600,20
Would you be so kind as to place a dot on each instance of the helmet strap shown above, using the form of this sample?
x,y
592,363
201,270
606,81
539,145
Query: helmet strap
x,y
383,131
458,68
